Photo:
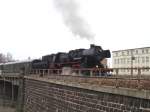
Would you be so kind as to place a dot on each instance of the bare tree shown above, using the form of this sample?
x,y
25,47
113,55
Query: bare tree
x,y
6,58
9,57
2,58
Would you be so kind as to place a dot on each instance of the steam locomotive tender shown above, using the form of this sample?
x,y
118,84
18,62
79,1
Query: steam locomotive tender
x,y
79,58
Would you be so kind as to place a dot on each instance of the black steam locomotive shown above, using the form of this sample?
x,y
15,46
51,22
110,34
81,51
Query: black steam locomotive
x,y
79,58
94,57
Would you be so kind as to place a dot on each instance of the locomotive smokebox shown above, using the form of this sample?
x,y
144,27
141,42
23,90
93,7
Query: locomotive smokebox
x,y
106,53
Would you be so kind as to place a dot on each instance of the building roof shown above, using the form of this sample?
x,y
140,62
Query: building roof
x,y
131,49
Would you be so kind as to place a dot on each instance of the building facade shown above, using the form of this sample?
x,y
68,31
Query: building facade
x,y
132,58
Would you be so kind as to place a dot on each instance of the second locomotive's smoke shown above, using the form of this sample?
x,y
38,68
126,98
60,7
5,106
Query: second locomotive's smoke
x,y
71,18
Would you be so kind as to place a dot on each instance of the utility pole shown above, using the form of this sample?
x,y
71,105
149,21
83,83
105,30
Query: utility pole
x,y
132,58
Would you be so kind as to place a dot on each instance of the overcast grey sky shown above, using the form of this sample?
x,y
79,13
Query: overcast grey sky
x,y
37,27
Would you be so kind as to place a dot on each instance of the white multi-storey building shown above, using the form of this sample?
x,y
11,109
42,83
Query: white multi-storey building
x,y
132,58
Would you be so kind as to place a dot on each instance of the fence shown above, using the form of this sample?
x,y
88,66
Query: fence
x,y
95,72
95,77
109,77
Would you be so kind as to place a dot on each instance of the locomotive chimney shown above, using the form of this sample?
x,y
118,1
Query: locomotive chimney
x,y
92,45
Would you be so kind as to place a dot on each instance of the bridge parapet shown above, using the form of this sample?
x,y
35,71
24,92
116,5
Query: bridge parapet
x,y
54,95
11,77
10,89
117,85
117,82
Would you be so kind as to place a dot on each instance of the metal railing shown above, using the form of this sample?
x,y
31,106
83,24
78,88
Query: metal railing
x,y
95,72
112,77
74,72
119,77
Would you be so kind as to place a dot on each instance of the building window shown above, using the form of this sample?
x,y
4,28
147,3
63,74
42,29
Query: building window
x,y
122,53
115,61
118,61
124,60
143,60
121,60
128,60
147,51
142,50
127,52
136,51
147,59
138,60
116,54
135,59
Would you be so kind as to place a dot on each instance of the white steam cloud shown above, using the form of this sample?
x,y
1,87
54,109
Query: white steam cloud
x,y
71,18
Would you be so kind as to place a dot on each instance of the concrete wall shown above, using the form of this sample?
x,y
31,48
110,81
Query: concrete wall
x,y
6,97
41,96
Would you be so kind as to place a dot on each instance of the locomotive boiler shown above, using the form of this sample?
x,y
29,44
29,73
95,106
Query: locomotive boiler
x,y
93,57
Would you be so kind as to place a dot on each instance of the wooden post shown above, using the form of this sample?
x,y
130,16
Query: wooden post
x,y
43,73
117,71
